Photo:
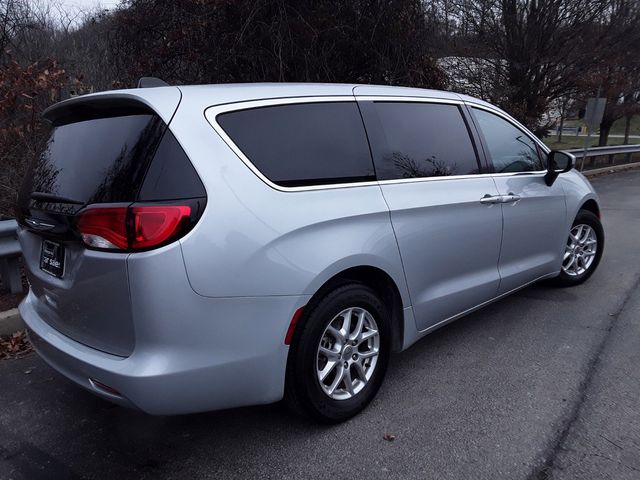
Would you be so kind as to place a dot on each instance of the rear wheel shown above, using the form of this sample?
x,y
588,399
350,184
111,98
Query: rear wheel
x,y
583,250
339,354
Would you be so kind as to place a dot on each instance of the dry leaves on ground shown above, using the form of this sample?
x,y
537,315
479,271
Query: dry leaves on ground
x,y
10,300
14,346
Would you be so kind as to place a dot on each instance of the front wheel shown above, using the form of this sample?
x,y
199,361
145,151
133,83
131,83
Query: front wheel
x,y
339,357
583,250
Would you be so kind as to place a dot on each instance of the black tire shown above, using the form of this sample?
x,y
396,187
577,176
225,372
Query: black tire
x,y
303,391
584,217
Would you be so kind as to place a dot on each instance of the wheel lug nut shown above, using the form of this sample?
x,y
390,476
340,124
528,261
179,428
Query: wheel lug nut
x,y
354,343
346,364
355,357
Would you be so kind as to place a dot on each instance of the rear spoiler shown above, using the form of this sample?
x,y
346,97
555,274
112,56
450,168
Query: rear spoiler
x,y
161,101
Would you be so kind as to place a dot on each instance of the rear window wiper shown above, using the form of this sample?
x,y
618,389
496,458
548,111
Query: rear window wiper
x,y
50,197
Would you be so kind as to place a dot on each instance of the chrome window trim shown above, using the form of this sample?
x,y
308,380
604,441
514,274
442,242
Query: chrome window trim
x,y
400,99
212,112
534,173
432,179
540,173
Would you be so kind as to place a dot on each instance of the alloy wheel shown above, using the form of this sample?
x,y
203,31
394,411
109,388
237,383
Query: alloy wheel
x,y
348,353
580,251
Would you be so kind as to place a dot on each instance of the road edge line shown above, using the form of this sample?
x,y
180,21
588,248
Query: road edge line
x,y
611,169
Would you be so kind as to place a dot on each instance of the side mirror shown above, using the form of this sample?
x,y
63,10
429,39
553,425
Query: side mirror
x,y
558,162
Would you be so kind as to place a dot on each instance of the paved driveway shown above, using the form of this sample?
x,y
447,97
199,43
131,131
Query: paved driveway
x,y
544,384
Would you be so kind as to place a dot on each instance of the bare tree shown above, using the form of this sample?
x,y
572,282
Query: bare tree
x,y
381,41
616,76
532,51
531,57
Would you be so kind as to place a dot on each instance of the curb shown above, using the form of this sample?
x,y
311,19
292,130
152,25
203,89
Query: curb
x,y
10,322
611,169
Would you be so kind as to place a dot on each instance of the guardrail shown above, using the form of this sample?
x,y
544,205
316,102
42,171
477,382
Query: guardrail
x,y
599,157
568,130
10,256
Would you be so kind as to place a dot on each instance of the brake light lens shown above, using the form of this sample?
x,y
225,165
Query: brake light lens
x,y
135,227
155,225
104,227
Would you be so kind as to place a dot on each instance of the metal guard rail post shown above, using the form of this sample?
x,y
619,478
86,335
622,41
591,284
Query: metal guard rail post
x,y
10,256
607,151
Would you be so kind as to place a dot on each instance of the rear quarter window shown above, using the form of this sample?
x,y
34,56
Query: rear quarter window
x,y
171,175
303,144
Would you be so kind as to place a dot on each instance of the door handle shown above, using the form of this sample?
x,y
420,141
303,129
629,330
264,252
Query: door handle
x,y
510,198
491,199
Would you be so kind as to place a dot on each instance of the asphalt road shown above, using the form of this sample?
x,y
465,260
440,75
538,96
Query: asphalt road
x,y
544,384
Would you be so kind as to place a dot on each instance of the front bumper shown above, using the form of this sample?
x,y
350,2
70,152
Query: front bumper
x,y
235,356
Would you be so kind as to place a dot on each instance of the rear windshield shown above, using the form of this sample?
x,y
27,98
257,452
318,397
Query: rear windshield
x,y
98,160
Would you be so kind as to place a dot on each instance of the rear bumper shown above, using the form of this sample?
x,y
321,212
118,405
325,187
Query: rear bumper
x,y
222,353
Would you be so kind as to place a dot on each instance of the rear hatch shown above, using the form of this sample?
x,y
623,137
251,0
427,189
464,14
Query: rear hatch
x,y
111,181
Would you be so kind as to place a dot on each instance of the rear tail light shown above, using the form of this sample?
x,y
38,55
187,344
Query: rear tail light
x,y
155,225
133,227
104,227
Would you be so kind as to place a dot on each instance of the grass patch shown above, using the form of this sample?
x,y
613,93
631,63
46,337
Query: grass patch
x,y
570,142
618,127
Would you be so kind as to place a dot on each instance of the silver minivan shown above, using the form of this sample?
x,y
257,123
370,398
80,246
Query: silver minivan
x,y
207,247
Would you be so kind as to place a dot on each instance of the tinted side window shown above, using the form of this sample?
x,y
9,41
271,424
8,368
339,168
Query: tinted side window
x,y
413,140
303,144
171,175
511,149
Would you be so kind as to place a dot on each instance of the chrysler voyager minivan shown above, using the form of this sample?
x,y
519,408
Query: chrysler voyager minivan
x,y
205,247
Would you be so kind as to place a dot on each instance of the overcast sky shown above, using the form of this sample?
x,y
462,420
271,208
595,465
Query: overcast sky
x,y
88,4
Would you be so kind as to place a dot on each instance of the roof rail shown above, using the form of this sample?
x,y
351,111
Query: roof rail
x,y
150,82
